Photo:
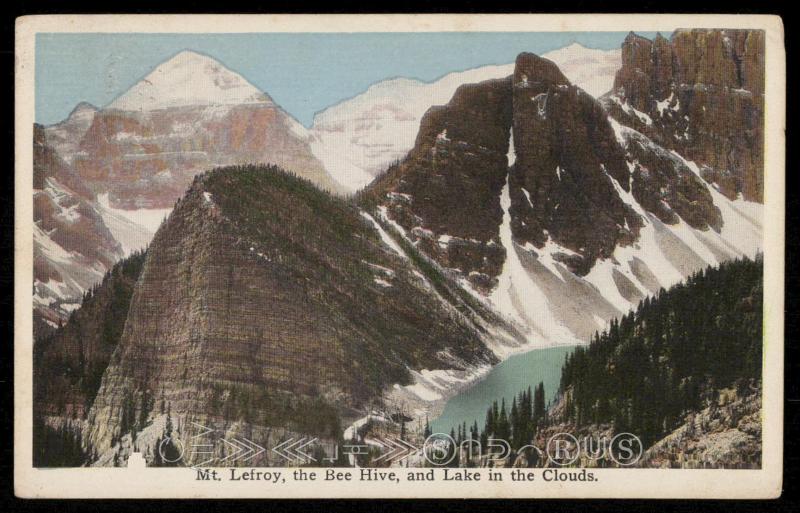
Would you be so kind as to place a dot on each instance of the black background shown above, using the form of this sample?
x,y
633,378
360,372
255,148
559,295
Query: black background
x,y
787,502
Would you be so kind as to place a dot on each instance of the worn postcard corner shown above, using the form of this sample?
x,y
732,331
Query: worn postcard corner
x,y
511,256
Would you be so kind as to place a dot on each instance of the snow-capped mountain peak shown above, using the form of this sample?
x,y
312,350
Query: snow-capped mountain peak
x,y
189,79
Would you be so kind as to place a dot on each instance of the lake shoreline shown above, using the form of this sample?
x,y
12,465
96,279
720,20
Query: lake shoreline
x,y
504,380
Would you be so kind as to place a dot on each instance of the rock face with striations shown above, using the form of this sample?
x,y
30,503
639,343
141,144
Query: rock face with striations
x,y
266,303
701,93
524,214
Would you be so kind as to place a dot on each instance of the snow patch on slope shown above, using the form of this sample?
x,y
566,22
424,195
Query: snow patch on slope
x,y
631,111
547,255
511,156
671,252
743,228
437,384
130,235
385,237
519,298
538,292
149,219
74,274
63,200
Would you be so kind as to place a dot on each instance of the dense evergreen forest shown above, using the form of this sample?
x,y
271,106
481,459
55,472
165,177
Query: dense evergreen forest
x,y
69,364
516,424
60,446
672,353
676,350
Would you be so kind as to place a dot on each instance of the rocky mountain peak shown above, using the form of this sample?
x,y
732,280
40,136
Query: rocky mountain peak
x,y
531,70
524,186
566,159
701,93
445,193
189,114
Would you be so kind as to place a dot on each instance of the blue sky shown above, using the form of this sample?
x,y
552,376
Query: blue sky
x,y
302,72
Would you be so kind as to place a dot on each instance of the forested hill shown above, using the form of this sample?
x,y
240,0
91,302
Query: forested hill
x,y
69,363
670,356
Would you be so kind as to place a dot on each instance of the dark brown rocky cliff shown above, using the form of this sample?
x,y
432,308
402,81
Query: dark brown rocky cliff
x,y
570,177
567,157
701,93
449,184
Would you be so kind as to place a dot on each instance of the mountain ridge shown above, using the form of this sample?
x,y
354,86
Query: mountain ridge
x,y
644,216
356,156
133,165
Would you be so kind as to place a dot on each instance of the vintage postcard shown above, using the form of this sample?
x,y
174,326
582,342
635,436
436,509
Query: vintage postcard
x,y
399,256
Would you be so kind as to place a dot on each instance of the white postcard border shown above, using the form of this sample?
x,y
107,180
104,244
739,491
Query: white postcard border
x,y
612,483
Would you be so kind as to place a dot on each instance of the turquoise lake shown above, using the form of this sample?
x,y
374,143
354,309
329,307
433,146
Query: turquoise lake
x,y
505,380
